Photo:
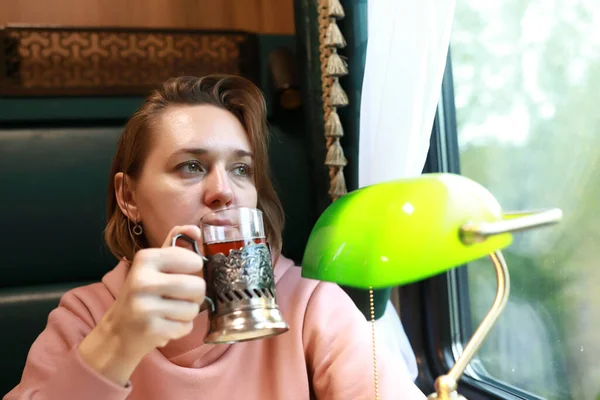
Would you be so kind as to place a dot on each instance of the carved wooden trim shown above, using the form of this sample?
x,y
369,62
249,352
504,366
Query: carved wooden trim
x,y
62,61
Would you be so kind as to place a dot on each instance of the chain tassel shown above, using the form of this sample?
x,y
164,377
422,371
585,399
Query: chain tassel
x,y
372,309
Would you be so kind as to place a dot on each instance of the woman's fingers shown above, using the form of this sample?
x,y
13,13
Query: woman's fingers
x,y
180,286
171,309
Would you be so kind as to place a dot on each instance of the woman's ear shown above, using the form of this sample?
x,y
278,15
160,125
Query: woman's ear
x,y
125,194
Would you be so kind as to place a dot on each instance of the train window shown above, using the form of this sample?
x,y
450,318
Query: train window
x,y
527,91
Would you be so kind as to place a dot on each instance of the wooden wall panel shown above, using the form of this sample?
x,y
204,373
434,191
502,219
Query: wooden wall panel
x,y
262,16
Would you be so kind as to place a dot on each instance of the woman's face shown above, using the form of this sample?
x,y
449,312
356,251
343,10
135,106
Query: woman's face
x,y
200,161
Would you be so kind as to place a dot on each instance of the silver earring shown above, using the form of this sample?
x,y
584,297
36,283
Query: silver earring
x,y
137,229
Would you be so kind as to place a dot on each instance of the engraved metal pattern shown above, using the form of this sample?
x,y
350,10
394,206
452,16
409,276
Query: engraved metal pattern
x,y
64,61
242,279
246,269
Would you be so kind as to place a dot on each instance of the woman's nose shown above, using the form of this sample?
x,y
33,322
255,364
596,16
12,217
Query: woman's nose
x,y
218,191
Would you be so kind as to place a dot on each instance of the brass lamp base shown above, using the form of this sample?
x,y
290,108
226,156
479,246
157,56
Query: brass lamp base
x,y
445,387
453,396
244,325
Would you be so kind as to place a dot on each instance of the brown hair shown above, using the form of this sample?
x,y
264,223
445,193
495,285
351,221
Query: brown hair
x,y
232,93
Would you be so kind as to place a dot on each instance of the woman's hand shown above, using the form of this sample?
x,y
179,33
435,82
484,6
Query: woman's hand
x,y
157,303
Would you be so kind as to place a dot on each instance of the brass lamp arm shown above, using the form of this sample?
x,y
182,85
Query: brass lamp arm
x,y
446,385
490,319
513,222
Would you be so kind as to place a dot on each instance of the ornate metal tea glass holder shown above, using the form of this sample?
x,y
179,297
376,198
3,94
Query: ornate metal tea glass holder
x,y
240,289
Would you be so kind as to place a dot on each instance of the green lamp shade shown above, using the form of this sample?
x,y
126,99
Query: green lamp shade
x,y
400,232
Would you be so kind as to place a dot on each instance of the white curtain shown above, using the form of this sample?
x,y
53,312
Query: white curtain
x,y
406,56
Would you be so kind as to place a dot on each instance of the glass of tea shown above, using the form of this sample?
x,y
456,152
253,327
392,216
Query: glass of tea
x,y
239,277
232,229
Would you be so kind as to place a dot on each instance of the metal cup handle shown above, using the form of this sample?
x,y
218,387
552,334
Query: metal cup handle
x,y
205,259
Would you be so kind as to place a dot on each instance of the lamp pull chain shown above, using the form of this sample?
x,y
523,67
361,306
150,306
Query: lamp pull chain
x,y
372,309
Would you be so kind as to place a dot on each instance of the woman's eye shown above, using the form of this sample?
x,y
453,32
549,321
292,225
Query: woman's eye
x,y
242,170
191,167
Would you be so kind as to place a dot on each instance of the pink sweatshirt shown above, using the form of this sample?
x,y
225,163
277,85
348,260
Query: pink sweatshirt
x,y
326,353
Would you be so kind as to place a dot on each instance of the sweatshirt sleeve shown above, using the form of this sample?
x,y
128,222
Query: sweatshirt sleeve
x,y
339,351
54,370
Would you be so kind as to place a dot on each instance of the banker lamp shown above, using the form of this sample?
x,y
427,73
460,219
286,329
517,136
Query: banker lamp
x,y
404,231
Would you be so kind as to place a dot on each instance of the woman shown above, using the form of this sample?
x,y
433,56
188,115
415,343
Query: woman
x,y
195,146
